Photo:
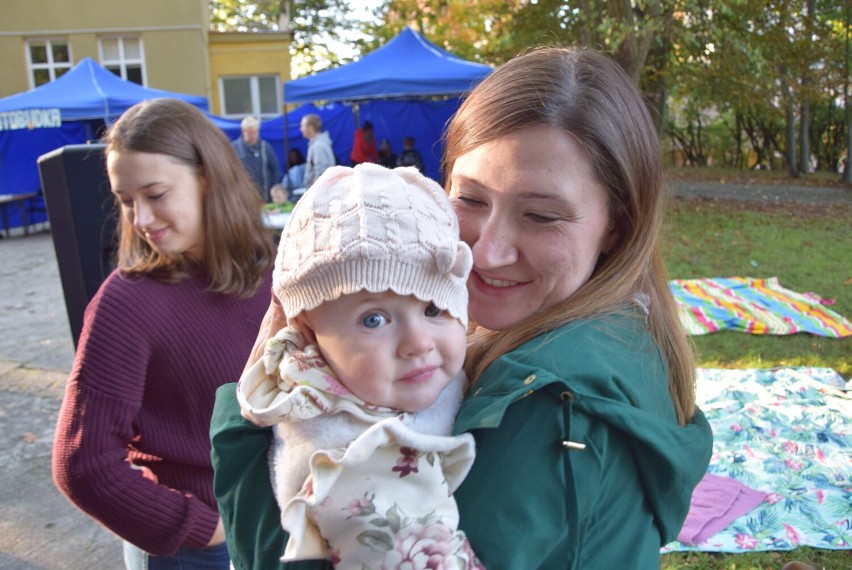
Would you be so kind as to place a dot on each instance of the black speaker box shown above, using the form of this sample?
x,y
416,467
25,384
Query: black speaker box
x,y
80,209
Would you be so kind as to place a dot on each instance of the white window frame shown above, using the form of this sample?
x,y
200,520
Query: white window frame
x,y
51,66
123,61
255,95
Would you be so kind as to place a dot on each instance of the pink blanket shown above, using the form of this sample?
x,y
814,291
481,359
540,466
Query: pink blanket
x,y
716,502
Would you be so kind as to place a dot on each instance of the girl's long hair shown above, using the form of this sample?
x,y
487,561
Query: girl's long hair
x,y
238,249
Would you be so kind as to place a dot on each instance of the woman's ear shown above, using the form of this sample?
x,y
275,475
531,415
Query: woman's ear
x,y
611,237
203,184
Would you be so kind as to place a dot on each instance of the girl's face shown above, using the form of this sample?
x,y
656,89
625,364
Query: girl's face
x,y
536,219
162,198
389,350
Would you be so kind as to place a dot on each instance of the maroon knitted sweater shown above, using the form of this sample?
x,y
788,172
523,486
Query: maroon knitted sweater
x,y
132,447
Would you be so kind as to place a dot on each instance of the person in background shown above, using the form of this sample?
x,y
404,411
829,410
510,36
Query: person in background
x,y
170,324
582,403
364,145
257,156
294,177
368,368
320,153
279,194
410,156
386,156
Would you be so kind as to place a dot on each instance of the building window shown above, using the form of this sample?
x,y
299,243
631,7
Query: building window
x,y
123,56
47,59
256,95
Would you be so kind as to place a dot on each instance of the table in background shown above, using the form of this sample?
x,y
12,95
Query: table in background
x,y
275,222
9,200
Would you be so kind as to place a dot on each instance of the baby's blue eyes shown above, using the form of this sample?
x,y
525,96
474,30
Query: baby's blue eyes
x,y
378,319
432,310
374,320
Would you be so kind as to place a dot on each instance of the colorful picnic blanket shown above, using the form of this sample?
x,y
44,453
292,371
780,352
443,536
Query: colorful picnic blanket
x,y
785,432
756,306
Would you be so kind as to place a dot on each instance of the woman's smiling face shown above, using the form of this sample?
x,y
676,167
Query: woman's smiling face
x,y
536,219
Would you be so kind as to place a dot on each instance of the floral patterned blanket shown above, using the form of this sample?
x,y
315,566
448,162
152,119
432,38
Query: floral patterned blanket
x,y
786,432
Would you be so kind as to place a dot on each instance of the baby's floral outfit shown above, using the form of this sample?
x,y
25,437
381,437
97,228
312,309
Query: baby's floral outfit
x,y
365,486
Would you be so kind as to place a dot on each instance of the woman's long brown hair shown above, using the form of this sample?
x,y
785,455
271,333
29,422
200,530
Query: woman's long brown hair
x,y
587,95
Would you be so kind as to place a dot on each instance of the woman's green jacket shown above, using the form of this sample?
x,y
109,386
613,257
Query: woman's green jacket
x,y
580,462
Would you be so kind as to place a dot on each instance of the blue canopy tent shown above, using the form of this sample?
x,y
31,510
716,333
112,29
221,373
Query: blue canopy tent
x,y
69,110
408,68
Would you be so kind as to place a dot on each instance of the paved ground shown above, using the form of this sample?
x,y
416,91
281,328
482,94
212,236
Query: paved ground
x,y
766,193
39,529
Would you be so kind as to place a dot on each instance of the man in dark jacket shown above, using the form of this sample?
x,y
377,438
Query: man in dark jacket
x,y
258,157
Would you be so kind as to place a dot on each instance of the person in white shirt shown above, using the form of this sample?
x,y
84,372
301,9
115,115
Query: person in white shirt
x,y
320,154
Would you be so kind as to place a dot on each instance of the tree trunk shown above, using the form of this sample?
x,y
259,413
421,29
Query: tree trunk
x,y
805,109
284,19
633,51
847,170
588,37
790,157
804,138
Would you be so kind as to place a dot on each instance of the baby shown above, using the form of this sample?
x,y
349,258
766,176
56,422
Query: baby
x,y
279,194
363,384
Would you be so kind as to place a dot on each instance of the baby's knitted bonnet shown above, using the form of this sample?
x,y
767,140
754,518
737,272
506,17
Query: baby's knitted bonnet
x,y
372,229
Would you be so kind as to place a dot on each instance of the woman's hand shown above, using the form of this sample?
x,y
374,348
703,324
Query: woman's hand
x,y
273,321
218,534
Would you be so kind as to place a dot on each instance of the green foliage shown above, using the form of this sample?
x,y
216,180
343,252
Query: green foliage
x,y
315,25
760,62
239,15
828,134
728,80
493,31
469,30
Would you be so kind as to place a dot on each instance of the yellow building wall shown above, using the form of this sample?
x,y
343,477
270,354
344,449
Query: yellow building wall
x,y
173,33
236,54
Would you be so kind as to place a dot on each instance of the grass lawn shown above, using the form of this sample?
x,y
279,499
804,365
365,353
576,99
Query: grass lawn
x,y
808,249
819,559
